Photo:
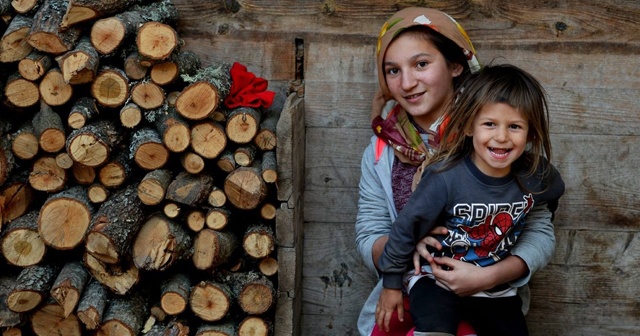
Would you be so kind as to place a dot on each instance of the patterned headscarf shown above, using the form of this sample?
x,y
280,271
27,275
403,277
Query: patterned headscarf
x,y
396,130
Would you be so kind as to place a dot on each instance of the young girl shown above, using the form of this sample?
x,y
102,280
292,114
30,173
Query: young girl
x,y
422,54
491,168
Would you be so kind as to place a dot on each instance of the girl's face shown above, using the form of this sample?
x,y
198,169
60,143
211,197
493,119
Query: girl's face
x,y
419,78
499,134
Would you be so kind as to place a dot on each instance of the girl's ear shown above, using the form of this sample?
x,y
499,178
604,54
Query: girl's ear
x,y
457,69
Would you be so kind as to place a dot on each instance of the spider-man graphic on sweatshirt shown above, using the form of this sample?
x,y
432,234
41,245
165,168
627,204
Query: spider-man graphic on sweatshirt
x,y
484,215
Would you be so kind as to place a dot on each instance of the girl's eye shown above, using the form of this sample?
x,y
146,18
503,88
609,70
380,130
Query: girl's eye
x,y
422,64
392,71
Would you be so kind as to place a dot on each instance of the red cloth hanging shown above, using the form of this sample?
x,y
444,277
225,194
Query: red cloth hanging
x,y
247,89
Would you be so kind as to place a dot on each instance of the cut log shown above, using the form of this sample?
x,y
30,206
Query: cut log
x,y
259,241
79,65
174,297
46,34
119,278
244,156
92,305
156,41
97,193
189,189
226,162
64,218
20,92
245,188
254,292
85,10
171,210
49,129
210,301
268,211
255,326
116,172
24,144
208,139
269,167
242,124
217,197
192,163
195,220
114,226
218,218
111,87
173,129
173,328
147,95
83,110
49,320
17,197
266,138
47,176
147,149
153,186
25,6
224,329
92,144
130,115
33,66
64,160
183,63
160,243
53,89
206,90
14,44
21,243
213,248
124,315
8,318
14,331
69,285
84,175
134,68
268,266
31,287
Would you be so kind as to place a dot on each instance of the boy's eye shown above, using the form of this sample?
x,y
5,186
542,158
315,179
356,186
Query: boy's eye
x,y
489,124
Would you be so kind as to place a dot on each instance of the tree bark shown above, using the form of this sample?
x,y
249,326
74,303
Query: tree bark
x,y
92,305
190,189
31,287
69,285
124,315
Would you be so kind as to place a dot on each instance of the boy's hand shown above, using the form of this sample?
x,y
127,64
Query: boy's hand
x,y
390,300
424,243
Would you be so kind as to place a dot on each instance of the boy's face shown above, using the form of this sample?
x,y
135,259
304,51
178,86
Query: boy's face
x,y
499,134
419,78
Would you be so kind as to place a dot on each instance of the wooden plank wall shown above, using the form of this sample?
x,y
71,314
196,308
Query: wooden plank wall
x,y
585,52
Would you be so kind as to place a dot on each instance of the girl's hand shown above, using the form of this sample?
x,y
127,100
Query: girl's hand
x,y
390,300
462,278
421,247
379,100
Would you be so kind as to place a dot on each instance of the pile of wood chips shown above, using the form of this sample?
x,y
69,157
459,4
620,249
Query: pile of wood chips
x,y
132,200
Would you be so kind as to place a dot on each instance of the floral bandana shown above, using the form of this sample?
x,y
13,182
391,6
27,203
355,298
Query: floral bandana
x,y
396,129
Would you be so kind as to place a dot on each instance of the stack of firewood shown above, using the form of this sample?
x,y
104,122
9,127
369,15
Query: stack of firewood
x,y
133,201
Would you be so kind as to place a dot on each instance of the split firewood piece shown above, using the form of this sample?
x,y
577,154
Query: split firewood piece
x,y
147,149
21,243
268,211
119,278
160,243
109,33
69,285
17,196
49,129
259,241
218,218
114,226
116,172
243,124
189,189
153,187
31,287
92,305
210,300
85,10
206,90
182,63
110,88
217,197
64,160
51,316
147,95
226,162
46,33
223,329
7,161
33,66
156,41
25,6
269,167
124,315
130,115
156,314
213,248
84,175
14,45
53,88
46,176
24,142
192,163
254,292
245,155
173,129
97,193
20,92
92,144
83,110
171,210
245,188
255,326
208,139
174,297
266,138
64,218
79,65
195,219
172,97
134,68
268,266
8,318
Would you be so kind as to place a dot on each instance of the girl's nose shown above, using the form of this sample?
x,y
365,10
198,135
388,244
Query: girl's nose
x,y
408,81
